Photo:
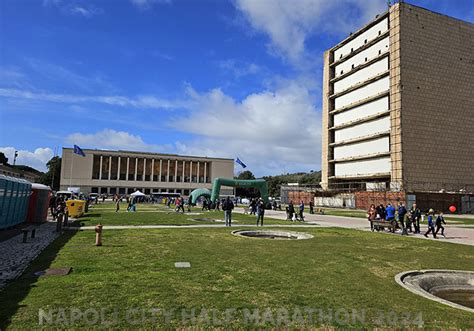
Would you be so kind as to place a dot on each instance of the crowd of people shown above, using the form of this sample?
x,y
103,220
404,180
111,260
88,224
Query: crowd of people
x,y
407,220
398,217
298,215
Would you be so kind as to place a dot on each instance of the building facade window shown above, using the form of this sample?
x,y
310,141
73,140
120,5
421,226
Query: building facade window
x,y
172,170
194,173
131,169
105,168
123,168
156,170
148,170
179,176
96,167
114,168
164,170
140,167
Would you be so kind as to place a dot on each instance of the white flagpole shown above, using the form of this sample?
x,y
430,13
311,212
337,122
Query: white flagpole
x,y
72,162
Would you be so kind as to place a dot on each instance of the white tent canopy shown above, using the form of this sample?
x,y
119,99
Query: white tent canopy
x,y
137,194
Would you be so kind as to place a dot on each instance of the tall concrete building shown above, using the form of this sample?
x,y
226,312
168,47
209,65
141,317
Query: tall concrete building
x,y
398,104
123,172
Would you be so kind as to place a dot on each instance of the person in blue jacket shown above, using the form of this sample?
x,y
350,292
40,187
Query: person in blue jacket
x,y
402,211
430,224
390,216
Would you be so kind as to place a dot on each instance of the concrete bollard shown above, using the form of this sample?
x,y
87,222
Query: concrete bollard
x,y
59,222
25,235
98,235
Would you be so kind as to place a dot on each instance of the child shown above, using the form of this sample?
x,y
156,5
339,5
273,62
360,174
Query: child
x,y
439,221
430,224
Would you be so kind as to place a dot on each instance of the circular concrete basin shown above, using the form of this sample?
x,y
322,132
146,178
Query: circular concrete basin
x,y
454,288
272,234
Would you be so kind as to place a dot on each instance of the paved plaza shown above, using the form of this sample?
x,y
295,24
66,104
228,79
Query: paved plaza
x,y
16,255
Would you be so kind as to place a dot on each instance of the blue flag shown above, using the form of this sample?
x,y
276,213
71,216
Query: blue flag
x,y
79,151
241,163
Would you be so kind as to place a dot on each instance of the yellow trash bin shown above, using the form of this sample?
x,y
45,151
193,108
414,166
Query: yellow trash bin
x,y
75,208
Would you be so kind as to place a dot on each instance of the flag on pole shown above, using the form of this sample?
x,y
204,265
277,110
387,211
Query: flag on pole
x,y
241,163
79,151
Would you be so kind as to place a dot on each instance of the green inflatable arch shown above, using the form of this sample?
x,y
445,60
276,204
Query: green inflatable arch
x,y
261,184
200,192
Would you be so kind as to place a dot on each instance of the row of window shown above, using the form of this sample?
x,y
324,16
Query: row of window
x,y
125,190
139,169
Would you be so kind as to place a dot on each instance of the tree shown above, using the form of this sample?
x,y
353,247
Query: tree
x,y
52,176
246,175
3,158
246,192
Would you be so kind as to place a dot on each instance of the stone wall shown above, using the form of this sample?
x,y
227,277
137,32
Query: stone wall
x,y
365,198
297,196
437,100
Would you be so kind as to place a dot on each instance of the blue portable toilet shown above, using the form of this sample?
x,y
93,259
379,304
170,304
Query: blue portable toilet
x,y
3,205
9,201
25,198
14,197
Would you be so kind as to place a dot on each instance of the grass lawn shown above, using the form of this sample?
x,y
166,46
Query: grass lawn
x,y
148,214
337,269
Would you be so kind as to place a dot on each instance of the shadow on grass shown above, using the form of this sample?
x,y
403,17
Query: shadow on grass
x,y
93,215
18,289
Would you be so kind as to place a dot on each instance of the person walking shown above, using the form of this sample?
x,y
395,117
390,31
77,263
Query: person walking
x,y
439,224
311,207
260,212
431,228
181,204
291,210
408,219
227,207
371,215
117,205
129,205
390,217
253,206
53,205
415,217
402,211
301,207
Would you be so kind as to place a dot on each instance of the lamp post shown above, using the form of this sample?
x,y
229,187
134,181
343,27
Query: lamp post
x,y
14,158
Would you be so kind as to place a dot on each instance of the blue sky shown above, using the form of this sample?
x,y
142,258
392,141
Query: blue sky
x,y
196,77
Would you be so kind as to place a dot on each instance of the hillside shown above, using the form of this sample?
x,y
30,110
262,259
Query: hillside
x,y
275,182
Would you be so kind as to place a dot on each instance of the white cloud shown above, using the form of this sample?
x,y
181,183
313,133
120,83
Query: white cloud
x,y
84,11
112,139
75,8
147,4
108,139
145,101
36,159
239,68
290,23
273,131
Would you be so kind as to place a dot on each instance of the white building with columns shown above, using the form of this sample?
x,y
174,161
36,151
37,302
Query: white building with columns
x,y
123,172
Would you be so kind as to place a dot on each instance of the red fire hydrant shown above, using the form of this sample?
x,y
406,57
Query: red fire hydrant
x,y
98,235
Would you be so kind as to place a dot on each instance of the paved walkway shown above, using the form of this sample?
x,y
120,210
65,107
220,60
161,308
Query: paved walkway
x,y
15,255
454,233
